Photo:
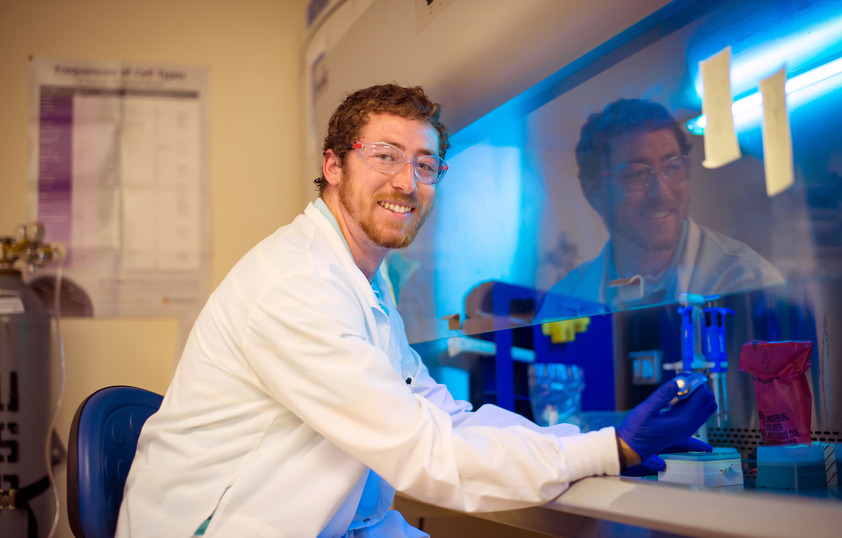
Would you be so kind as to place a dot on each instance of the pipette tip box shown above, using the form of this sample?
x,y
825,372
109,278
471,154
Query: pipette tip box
x,y
797,467
722,467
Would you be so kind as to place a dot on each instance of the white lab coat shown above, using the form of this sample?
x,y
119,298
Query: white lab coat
x,y
295,382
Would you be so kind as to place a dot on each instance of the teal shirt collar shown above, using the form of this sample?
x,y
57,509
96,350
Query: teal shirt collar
x,y
322,206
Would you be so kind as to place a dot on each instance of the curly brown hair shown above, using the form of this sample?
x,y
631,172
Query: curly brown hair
x,y
352,115
618,118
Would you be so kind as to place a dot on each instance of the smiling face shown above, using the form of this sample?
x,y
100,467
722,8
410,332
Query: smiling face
x,y
378,211
651,219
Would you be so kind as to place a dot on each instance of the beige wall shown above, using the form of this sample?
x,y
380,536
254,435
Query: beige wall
x,y
252,48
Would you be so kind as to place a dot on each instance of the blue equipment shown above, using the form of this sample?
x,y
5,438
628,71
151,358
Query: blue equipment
x,y
703,345
687,382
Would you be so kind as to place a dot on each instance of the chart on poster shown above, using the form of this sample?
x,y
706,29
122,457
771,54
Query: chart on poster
x,y
118,174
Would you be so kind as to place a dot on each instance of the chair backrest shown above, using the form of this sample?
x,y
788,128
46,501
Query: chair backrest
x,y
102,444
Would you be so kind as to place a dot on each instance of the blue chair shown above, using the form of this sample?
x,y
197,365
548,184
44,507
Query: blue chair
x,y
103,440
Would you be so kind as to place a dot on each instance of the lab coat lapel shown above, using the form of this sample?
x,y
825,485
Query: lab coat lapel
x,y
337,244
377,319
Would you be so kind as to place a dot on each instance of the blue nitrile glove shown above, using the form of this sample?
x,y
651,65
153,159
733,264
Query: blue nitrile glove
x,y
649,428
655,464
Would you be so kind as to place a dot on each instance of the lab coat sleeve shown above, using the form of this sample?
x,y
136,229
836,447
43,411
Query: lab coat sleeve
x,y
318,349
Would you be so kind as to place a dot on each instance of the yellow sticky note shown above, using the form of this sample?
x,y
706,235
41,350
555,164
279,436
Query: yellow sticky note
x,y
777,139
721,146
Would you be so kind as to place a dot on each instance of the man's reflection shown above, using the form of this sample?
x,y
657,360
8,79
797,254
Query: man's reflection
x,y
634,170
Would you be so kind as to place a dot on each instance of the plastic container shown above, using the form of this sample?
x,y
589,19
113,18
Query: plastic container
x,y
792,467
722,467
555,393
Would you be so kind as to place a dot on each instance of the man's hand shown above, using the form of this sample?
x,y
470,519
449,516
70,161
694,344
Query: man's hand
x,y
649,428
628,457
655,464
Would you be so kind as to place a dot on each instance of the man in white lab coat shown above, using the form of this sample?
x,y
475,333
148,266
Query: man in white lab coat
x,y
298,407
634,170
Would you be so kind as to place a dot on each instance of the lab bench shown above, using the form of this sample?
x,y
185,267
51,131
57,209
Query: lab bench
x,y
619,506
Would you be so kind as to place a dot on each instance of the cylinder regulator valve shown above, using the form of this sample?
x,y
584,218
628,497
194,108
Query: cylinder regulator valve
x,y
27,248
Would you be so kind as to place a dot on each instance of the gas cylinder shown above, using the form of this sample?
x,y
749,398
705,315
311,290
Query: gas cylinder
x,y
27,504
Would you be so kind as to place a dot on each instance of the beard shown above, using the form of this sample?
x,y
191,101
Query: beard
x,y
382,235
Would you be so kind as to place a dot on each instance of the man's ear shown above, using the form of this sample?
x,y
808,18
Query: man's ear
x,y
332,167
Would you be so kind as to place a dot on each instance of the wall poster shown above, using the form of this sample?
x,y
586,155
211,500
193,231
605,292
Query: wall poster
x,y
119,173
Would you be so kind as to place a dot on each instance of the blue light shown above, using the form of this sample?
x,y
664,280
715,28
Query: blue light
x,y
819,74
801,49
484,211
802,88
697,125
457,381
805,39
479,213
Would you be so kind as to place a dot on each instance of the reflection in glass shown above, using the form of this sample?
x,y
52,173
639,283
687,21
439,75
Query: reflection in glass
x,y
522,212
513,209
633,168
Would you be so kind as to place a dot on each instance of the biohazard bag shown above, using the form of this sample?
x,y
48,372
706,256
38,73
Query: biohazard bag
x,y
784,401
